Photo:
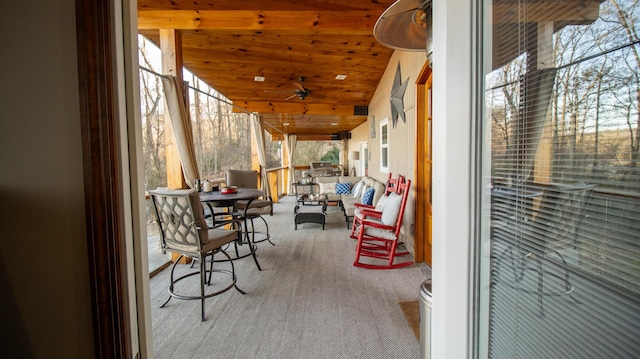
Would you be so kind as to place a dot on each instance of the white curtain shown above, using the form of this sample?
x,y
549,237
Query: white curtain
x,y
262,152
290,142
181,123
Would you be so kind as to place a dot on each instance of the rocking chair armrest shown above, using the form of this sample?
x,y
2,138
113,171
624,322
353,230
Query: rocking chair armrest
x,y
371,213
364,222
364,206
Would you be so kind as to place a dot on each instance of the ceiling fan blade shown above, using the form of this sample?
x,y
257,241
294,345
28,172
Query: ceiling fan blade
x,y
290,97
299,87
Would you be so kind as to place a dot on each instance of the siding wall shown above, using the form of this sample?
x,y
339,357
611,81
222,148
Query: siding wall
x,y
402,137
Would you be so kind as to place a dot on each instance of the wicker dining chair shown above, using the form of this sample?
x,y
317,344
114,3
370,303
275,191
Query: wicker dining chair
x,y
254,209
184,231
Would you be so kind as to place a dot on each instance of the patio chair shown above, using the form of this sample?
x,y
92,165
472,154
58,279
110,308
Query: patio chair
x,y
223,214
184,231
537,245
254,209
378,232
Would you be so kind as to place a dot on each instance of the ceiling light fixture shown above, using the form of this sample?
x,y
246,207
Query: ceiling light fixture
x,y
334,124
258,79
341,77
285,124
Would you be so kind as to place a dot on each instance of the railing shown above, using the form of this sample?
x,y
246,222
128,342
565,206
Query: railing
x,y
606,241
278,182
278,179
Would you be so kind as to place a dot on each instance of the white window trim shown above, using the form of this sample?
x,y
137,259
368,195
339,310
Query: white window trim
x,y
363,162
451,322
384,146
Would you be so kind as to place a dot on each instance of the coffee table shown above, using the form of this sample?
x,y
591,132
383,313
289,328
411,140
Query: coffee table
x,y
310,211
311,199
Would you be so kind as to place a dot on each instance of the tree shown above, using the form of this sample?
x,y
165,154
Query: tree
x,y
332,155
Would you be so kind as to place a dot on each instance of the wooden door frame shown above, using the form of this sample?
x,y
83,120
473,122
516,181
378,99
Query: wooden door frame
x,y
421,186
104,218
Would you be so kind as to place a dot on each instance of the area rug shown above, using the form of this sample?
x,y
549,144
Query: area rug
x,y
411,311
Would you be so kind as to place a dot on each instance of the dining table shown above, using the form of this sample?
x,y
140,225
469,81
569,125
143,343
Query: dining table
x,y
218,199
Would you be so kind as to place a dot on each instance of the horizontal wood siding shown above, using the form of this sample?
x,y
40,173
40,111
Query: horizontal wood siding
x,y
402,137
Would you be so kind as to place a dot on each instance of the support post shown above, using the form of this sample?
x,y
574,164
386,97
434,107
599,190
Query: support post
x,y
171,53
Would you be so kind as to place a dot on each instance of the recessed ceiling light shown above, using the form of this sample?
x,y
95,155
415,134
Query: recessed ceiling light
x,y
341,77
258,79
334,124
285,124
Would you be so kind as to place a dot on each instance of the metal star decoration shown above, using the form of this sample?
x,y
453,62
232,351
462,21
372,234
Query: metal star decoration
x,y
397,98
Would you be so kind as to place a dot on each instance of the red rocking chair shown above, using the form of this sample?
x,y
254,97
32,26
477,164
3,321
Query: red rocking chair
x,y
391,186
378,231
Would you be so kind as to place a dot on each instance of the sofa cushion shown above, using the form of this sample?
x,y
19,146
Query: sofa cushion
x,y
379,191
377,232
367,198
343,187
348,200
351,179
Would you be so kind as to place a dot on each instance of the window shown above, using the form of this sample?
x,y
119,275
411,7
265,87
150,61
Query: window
x,y
384,146
562,119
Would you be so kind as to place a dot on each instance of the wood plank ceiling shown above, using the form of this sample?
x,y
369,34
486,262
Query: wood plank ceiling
x,y
228,43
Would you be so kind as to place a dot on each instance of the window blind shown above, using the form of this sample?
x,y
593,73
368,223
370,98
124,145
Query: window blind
x,y
561,112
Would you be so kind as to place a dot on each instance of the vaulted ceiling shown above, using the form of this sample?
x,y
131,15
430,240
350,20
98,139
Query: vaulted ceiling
x,y
227,43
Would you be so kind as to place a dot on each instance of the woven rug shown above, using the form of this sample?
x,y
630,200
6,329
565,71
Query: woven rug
x,y
411,311
309,301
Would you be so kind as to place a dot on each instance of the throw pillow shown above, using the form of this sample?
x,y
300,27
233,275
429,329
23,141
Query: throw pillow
x,y
327,188
362,191
391,209
368,196
381,202
356,189
343,187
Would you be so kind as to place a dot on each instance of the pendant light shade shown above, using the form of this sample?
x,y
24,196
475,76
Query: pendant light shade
x,y
406,25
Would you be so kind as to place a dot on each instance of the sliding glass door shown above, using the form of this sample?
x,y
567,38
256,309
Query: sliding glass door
x,y
561,100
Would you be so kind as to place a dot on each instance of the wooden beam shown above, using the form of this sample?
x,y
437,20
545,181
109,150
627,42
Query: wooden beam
x,y
302,137
171,53
298,108
336,21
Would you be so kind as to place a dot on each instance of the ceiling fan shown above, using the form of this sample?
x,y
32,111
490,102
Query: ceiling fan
x,y
300,91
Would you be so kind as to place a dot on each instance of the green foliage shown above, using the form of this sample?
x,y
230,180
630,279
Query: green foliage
x,y
310,151
332,155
